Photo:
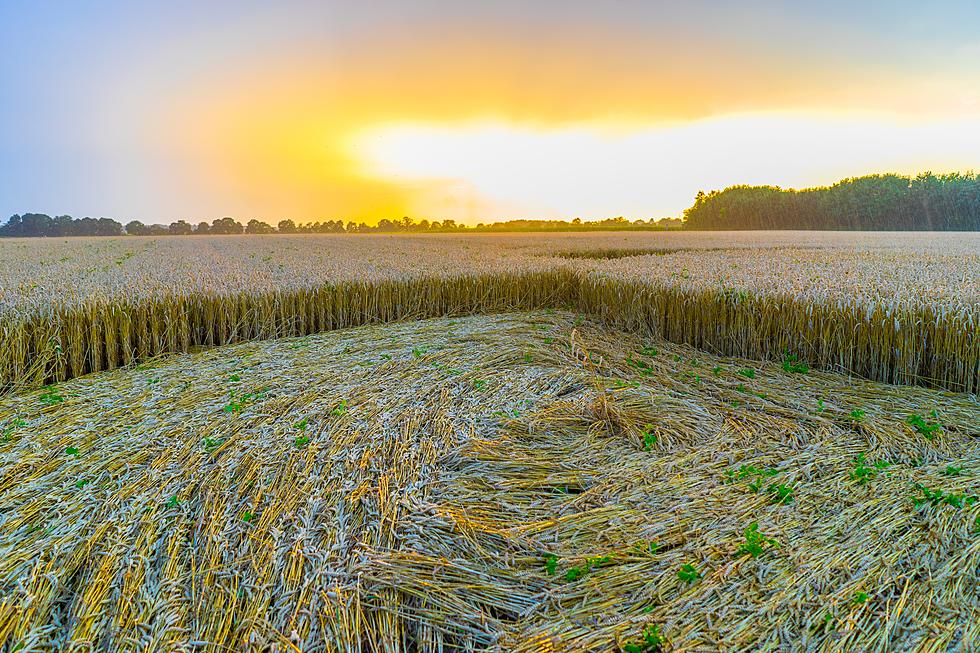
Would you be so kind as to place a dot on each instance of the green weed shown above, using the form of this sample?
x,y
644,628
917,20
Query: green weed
x,y
577,572
650,641
929,430
792,365
50,397
782,494
863,472
550,564
755,542
688,573
649,437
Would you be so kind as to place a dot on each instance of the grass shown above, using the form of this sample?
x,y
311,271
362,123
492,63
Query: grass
x,y
419,519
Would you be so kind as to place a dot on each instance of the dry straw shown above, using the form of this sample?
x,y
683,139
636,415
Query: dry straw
x,y
531,482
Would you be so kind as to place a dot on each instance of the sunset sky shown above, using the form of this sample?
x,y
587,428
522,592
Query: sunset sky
x,y
473,111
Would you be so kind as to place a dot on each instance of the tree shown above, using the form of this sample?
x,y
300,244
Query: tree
x,y
257,227
136,228
202,229
180,228
226,226
287,227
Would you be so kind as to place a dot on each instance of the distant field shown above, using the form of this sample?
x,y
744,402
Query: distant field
x,y
902,308
520,482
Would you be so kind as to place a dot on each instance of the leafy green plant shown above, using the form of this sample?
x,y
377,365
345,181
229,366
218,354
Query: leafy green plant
x,y
863,472
859,598
210,444
792,364
755,542
71,451
340,408
716,370
246,516
925,428
650,351
782,494
756,476
10,428
857,414
649,437
479,384
688,573
302,424
50,397
938,497
650,641
747,372
173,502
953,471
418,352
574,573
550,563
301,441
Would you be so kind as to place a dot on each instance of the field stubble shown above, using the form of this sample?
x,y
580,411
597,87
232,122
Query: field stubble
x,y
523,482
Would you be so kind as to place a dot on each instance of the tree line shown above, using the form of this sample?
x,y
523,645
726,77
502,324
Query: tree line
x,y
41,225
889,202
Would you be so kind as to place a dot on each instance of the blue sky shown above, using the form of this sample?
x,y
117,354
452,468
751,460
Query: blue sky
x,y
161,111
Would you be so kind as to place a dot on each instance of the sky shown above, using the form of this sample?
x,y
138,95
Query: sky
x,y
475,111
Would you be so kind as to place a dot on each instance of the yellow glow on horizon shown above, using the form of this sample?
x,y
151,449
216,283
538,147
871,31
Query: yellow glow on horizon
x,y
602,169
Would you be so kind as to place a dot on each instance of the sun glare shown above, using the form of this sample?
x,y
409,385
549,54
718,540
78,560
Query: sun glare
x,y
590,169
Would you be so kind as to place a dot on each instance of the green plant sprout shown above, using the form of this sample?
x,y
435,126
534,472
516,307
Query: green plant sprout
x,y
792,365
688,573
863,472
649,437
51,396
340,409
650,641
936,498
755,542
923,427
574,573
550,563
782,494
10,428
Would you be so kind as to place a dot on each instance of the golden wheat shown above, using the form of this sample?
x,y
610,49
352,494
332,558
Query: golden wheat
x,y
902,308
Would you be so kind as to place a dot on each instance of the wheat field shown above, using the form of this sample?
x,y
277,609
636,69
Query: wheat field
x,y
603,442
900,308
